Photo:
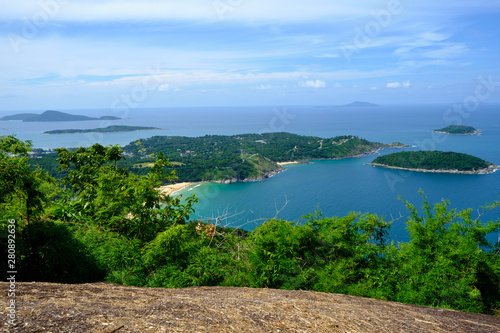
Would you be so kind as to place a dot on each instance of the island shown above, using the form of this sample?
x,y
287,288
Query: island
x,y
109,129
458,130
19,116
357,104
435,161
53,116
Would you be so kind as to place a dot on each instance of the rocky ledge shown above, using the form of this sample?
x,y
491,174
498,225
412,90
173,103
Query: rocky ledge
x,y
103,307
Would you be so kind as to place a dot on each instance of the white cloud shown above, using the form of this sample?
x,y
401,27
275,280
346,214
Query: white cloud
x,y
446,51
264,87
256,10
313,84
328,55
397,84
167,87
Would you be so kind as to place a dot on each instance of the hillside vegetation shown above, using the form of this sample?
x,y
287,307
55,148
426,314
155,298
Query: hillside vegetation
x,y
101,222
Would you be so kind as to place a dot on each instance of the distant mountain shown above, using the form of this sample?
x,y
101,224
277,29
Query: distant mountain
x,y
50,116
19,116
359,104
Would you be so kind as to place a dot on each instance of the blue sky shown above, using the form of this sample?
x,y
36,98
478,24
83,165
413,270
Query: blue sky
x,y
61,54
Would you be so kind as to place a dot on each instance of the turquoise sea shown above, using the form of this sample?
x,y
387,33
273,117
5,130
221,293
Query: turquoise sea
x,y
333,187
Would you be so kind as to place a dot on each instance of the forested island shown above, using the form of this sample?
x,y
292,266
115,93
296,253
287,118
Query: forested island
x,y
458,130
222,158
435,161
109,129
53,116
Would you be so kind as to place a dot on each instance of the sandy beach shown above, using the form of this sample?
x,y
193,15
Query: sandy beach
x,y
285,163
172,188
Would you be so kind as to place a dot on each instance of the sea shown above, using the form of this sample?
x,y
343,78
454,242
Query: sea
x,y
330,188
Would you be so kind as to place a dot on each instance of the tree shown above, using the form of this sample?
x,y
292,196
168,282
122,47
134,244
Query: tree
x,y
101,193
449,261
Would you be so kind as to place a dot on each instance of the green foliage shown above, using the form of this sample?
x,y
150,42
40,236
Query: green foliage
x,y
182,257
432,160
280,254
449,262
355,255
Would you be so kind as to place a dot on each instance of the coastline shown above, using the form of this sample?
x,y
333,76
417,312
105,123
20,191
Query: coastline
x,y
492,168
172,188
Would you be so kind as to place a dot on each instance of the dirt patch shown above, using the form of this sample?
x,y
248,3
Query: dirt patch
x,y
103,307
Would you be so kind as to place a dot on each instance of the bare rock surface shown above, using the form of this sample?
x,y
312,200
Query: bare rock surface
x,y
104,307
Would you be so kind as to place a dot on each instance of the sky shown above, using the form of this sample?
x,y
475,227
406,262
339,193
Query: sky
x,y
85,54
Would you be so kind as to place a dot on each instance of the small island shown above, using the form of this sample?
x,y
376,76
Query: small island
x,y
458,130
109,129
53,116
357,104
435,161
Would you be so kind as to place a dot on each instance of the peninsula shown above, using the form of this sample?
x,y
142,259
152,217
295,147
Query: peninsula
x,y
435,161
109,129
244,157
53,116
458,130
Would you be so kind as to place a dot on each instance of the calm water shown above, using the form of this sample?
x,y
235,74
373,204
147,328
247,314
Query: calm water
x,y
333,187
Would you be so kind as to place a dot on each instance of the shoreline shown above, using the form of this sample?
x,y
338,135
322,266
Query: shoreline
x,y
176,187
287,163
492,168
476,132
173,188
